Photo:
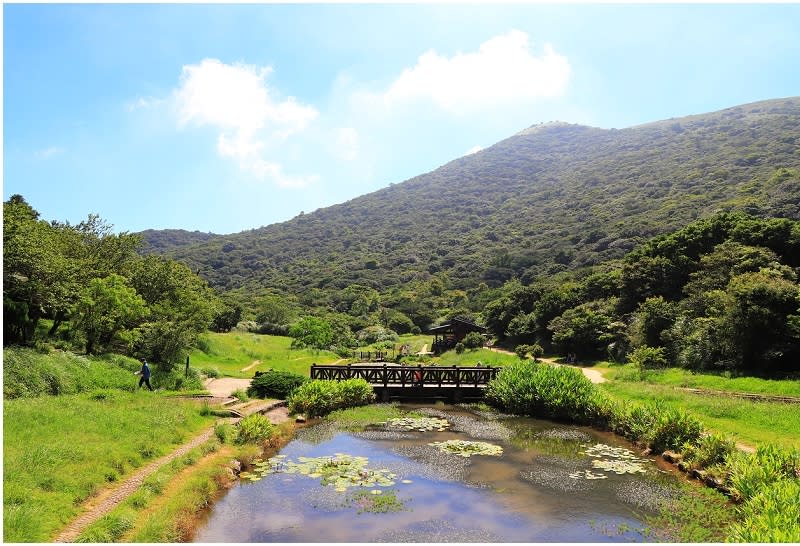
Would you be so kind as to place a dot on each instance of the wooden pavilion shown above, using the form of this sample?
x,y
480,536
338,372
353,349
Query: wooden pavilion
x,y
445,336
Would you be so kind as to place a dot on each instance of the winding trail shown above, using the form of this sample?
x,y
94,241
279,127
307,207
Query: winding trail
x,y
101,504
593,375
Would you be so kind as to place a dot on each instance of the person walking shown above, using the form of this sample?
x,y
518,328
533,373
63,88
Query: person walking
x,y
145,373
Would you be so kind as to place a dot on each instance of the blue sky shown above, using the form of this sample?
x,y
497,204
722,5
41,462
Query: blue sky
x,y
223,118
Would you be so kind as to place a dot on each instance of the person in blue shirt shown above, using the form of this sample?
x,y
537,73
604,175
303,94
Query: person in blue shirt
x,y
145,373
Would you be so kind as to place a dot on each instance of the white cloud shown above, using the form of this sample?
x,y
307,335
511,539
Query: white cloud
x,y
49,153
236,100
503,69
346,144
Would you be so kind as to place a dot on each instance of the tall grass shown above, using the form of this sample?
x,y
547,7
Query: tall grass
x,y
58,451
318,398
28,373
744,421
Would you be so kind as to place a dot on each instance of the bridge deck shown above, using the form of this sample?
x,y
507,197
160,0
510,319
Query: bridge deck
x,y
395,381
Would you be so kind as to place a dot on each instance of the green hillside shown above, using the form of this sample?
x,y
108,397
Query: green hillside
x,y
553,197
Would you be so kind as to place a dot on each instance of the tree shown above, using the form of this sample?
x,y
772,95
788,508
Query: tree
x,y
583,329
311,332
108,309
758,320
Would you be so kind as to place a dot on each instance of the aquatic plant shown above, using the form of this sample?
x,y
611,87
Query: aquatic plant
x,y
466,448
339,471
375,502
421,424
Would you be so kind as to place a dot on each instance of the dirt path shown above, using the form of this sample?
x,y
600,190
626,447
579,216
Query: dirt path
x,y
103,503
593,375
252,365
224,386
108,499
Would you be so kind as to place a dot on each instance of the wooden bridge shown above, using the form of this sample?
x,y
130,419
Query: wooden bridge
x,y
392,381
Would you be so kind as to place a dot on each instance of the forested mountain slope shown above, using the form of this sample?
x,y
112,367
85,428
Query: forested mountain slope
x,y
553,197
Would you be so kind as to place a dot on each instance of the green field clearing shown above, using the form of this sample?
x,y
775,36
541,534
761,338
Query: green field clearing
x,y
58,451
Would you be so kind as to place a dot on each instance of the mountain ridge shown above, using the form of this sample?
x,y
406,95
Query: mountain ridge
x,y
554,196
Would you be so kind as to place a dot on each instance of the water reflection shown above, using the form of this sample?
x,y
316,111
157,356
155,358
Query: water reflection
x,y
526,495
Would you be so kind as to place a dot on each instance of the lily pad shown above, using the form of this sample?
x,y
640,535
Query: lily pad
x,y
466,448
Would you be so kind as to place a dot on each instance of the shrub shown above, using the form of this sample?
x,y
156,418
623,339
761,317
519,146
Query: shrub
x,y
318,398
541,390
254,429
537,351
673,428
275,384
208,371
241,394
225,433
522,351
710,450
459,348
748,473
771,515
473,340
648,358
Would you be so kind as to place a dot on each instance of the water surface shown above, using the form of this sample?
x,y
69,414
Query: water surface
x,y
528,494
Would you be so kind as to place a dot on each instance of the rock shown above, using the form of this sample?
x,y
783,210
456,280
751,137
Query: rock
x,y
235,466
683,466
699,474
672,457
300,419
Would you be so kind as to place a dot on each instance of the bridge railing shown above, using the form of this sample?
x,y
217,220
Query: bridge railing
x,y
403,376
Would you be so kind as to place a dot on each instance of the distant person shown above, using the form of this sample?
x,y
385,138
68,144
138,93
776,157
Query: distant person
x,y
418,378
145,373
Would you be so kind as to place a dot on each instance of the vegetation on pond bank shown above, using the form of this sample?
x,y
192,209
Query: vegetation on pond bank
x,y
770,473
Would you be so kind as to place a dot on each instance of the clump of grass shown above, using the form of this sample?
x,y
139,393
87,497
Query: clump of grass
x,y
318,398
254,429
771,515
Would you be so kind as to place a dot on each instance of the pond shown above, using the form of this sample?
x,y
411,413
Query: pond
x,y
504,479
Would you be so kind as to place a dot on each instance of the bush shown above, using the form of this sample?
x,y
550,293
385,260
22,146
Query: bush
x,y
537,351
648,358
710,450
318,398
376,334
254,429
540,390
771,515
459,348
522,351
748,473
473,340
673,428
275,384
208,371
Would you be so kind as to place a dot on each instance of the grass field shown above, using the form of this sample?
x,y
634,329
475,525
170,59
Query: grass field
x,y
745,421
57,451
233,352
677,377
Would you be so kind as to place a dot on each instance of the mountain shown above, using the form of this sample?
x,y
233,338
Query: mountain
x,y
553,197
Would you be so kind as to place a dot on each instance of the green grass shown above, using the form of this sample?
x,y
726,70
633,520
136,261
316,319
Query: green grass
x,y
678,377
472,357
745,421
57,451
231,352
359,417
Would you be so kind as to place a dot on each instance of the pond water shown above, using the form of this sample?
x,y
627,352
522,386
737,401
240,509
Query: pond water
x,y
549,483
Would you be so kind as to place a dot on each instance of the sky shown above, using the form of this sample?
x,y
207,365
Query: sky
x,y
223,118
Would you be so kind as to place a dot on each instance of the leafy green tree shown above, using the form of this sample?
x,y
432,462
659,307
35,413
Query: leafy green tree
x,y
653,316
311,332
38,279
226,318
758,322
274,309
583,329
108,310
